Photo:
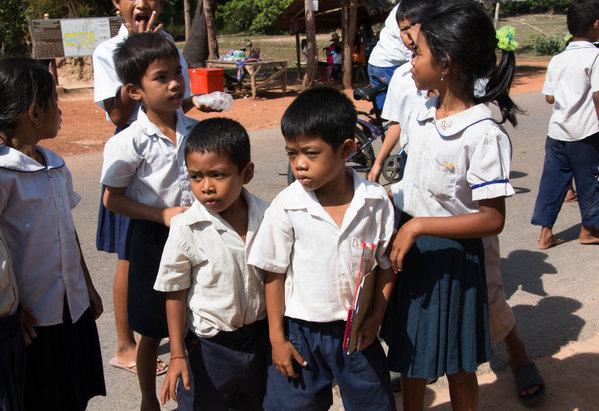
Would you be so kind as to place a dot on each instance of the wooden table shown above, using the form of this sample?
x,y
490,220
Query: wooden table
x,y
261,73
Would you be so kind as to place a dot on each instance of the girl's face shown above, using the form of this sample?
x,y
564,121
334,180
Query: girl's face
x,y
50,119
136,11
427,73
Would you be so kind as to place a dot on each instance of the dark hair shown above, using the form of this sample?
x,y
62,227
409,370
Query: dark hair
x,y
134,55
23,83
222,136
462,37
414,10
320,112
581,16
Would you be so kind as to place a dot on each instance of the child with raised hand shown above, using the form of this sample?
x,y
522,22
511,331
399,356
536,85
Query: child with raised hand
x,y
146,180
452,194
572,147
207,280
309,244
59,302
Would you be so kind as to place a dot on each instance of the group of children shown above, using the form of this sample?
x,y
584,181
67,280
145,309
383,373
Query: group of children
x,y
254,297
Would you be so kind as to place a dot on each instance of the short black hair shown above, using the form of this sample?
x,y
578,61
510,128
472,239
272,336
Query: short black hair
x,y
23,83
582,14
414,10
320,112
134,55
222,136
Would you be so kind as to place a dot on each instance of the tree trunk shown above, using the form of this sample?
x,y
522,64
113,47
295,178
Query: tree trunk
x,y
188,17
311,63
196,46
348,25
72,9
209,6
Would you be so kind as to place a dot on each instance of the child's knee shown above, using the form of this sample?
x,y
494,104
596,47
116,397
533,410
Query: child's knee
x,y
462,377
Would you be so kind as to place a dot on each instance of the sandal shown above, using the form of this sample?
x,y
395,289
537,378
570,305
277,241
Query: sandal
x,y
526,377
130,367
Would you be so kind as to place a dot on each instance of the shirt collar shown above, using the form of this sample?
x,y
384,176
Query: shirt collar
x,y
123,33
184,125
456,123
579,45
12,159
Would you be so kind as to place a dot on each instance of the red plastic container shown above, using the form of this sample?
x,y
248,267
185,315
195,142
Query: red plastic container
x,y
206,80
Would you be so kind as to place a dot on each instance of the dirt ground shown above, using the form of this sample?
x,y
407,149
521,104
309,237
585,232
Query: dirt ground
x,y
84,128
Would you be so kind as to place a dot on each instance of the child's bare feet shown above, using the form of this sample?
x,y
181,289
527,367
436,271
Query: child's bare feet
x,y
571,196
547,239
588,235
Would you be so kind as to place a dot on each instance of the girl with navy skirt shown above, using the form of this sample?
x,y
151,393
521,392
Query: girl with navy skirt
x,y
58,303
452,194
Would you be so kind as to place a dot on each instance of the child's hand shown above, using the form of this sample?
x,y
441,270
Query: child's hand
x,y
403,241
28,320
176,368
95,301
368,332
375,172
169,213
283,354
142,26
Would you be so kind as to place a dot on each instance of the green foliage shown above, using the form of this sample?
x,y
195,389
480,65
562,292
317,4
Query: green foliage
x,y
57,9
543,45
249,16
13,28
515,7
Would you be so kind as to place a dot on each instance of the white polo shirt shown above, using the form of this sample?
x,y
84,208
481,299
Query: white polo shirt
x,y
402,94
35,216
390,50
145,161
205,254
572,78
107,82
9,295
300,239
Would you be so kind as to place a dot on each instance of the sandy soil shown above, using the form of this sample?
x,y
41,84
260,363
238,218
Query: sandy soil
x,y
84,128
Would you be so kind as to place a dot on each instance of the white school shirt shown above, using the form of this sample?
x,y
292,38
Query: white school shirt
x,y
35,216
390,50
298,238
402,94
9,295
205,254
572,78
107,82
145,161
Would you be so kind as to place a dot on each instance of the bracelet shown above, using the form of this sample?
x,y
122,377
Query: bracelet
x,y
180,357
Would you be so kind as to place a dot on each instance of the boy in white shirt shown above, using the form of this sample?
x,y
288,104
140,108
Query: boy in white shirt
x,y
207,280
572,147
309,245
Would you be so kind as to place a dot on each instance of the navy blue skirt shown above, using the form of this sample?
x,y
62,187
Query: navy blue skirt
x,y
12,363
437,319
146,307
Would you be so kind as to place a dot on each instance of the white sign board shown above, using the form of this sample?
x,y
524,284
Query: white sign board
x,y
81,36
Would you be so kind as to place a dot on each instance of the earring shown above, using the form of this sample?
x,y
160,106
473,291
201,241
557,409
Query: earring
x,y
442,78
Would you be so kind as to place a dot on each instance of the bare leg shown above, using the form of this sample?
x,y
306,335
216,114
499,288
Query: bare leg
x,y
516,349
413,393
125,341
571,194
463,390
147,350
547,239
589,235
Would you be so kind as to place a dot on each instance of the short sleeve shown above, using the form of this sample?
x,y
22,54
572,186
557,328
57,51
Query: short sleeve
x,y
106,81
547,85
387,218
595,75
392,106
489,168
120,160
272,245
74,198
178,259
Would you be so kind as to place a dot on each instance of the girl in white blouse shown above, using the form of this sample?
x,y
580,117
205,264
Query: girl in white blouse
x,y
63,358
451,196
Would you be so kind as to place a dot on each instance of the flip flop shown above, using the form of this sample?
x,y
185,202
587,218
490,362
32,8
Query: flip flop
x,y
131,367
528,376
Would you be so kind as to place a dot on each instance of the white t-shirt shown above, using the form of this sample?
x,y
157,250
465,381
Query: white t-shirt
x,y
205,254
300,239
402,94
36,219
9,295
390,50
572,78
107,82
147,162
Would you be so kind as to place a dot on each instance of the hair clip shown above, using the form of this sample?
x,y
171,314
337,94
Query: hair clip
x,y
505,38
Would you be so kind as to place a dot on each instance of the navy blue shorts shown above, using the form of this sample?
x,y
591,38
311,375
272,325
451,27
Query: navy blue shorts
x,y
363,377
229,369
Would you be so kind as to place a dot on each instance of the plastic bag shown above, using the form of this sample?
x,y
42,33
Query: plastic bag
x,y
217,100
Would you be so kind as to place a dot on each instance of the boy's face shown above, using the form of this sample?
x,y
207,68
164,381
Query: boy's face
x,y
136,11
215,180
408,32
162,86
313,161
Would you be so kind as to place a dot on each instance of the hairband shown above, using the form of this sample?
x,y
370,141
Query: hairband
x,y
505,38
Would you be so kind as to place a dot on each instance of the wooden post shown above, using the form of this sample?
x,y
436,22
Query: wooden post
x,y
298,55
496,21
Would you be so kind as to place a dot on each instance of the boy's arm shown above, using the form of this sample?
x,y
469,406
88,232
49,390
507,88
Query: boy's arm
x,y
596,102
116,201
283,351
94,298
120,107
550,99
391,139
385,279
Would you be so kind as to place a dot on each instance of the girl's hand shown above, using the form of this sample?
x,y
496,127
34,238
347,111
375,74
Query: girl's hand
x,y
403,241
95,301
169,213
283,355
375,172
177,368
368,332
143,27
28,320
